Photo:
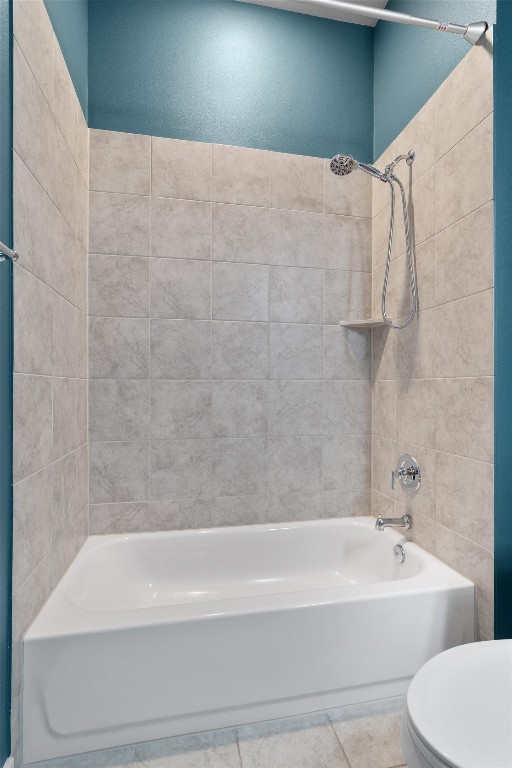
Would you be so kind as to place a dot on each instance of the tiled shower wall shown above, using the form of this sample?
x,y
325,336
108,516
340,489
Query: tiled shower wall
x,y
222,389
433,382
50,325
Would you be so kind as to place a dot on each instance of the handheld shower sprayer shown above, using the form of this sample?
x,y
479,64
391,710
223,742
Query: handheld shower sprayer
x,y
342,165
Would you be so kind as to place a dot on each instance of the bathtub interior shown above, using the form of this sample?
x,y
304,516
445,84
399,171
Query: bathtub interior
x,y
118,573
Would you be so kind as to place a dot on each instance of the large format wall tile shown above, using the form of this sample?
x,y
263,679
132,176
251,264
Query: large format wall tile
x,y
240,175
119,224
441,365
119,162
181,169
296,182
240,233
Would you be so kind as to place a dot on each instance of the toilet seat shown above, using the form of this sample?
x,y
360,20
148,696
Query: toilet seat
x,y
459,707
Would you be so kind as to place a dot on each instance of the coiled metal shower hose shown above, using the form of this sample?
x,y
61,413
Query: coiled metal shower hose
x,y
390,178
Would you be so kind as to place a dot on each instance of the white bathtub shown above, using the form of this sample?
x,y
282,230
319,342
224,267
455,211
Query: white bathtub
x,y
158,634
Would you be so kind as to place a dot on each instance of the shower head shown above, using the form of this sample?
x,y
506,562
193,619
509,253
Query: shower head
x,y
342,165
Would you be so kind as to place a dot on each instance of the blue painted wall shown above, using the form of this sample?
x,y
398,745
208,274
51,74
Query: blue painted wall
x,y
229,72
502,304
5,375
411,63
70,23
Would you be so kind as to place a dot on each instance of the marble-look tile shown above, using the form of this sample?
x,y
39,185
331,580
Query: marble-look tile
x,y
239,510
416,347
181,409
82,415
179,515
181,169
64,497
465,497
82,145
213,749
383,353
289,507
64,98
347,296
119,162
82,479
65,178
346,462
119,224
239,408
465,98
181,229
82,277
296,295
239,350
34,219
82,351
29,599
33,438
380,192
34,34
370,733
384,407
465,256
82,211
118,409
348,195
240,175
384,456
423,531
180,349
296,182
419,135
295,464
33,330
123,517
295,351
33,128
422,211
305,742
458,192
464,410
400,281
64,417
240,233
348,243
476,564
347,353
380,237
464,337
417,396
240,466
296,238
32,508
118,286
347,407
118,471
118,348
346,503
382,505
240,292
181,469
295,408
181,289
377,289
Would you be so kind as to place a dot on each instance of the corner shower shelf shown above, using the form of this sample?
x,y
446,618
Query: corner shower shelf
x,y
362,323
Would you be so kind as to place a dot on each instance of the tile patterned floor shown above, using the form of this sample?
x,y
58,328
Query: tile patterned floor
x,y
360,736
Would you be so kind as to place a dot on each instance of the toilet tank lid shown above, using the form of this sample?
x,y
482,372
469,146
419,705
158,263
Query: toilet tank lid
x,y
460,705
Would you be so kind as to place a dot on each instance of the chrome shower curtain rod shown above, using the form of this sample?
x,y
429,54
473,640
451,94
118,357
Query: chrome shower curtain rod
x,y
470,32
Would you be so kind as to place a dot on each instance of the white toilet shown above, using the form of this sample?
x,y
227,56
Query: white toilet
x,y
459,709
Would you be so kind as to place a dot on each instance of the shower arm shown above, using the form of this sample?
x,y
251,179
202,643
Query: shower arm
x,y
470,32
